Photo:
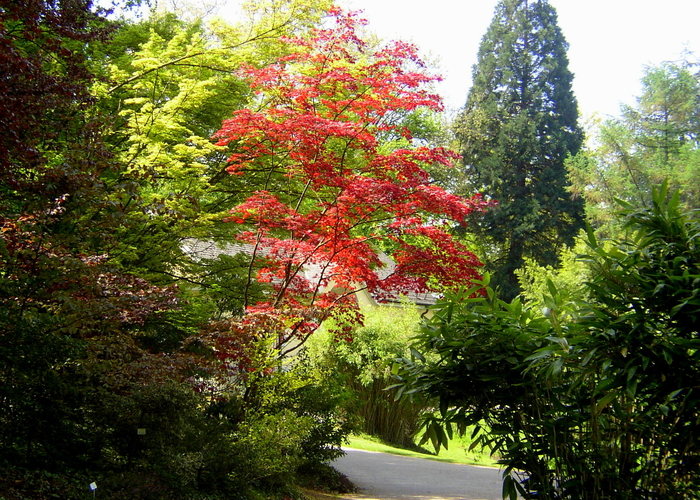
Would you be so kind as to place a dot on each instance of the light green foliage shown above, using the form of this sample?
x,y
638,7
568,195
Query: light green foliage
x,y
364,366
569,275
596,399
430,128
175,86
384,336
169,84
656,139
667,115
307,391
269,446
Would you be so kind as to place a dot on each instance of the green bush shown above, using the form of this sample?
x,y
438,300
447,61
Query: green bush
x,y
268,448
587,399
364,366
311,395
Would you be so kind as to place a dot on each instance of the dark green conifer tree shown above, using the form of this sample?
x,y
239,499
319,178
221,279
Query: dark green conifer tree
x,y
519,124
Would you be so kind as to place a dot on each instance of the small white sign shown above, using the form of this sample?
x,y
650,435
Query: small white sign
x,y
93,486
141,431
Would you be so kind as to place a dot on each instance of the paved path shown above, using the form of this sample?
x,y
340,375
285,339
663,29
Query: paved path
x,y
392,477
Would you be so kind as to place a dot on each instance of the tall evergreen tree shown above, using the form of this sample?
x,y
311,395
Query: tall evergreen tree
x,y
519,124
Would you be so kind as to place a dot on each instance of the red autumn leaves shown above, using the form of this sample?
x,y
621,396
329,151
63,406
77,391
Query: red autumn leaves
x,y
342,179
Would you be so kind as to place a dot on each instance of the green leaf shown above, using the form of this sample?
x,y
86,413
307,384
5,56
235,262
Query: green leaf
x,y
674,394
605,401
509,490
552,288
444,404
417,355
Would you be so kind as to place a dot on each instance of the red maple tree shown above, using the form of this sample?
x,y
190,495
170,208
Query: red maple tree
x,y
342,181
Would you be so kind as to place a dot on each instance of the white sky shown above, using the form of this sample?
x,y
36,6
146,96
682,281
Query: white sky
x,y
610,41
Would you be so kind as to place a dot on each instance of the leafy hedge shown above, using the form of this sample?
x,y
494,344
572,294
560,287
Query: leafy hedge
x,y
586,399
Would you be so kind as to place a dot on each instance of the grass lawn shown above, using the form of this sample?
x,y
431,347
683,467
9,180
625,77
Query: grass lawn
x,y
456,452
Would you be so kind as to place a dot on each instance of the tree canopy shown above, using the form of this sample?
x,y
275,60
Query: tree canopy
x,y
653,140
338,179
519,125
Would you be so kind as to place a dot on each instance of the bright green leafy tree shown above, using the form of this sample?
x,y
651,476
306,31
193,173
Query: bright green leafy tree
x,y
169,84
656,139
519,124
